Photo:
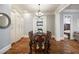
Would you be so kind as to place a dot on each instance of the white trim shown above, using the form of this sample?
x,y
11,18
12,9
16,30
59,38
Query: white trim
x,y
57,20
71,10
71,27
61,38
57,39
3,50
26,36
61,8
57,26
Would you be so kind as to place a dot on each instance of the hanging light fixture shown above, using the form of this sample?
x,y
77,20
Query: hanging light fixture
x,y
39,13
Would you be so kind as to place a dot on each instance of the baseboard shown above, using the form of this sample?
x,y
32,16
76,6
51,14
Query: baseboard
x,y
26,36
3,50
53,36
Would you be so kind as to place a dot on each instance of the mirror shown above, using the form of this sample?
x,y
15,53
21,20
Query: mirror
x,y
5,21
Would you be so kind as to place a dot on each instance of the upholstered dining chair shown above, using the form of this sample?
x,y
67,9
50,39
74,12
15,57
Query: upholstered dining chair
x,y
39,40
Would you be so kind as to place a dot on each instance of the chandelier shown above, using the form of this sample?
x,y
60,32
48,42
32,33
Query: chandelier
x,y
39,13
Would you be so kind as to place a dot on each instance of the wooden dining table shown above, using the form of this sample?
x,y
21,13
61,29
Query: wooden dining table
x,y
41,43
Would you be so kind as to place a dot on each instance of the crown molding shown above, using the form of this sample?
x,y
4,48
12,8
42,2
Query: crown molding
x,y
71,10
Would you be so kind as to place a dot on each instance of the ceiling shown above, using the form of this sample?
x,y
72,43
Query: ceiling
x,y
72,8
33,8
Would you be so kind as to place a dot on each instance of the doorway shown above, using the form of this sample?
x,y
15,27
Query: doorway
x,y
67,26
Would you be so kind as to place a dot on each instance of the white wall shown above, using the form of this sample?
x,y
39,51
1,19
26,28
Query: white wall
x,y
28,23
61,25
51,23
4,33
17,26
75,21
57,26
35,27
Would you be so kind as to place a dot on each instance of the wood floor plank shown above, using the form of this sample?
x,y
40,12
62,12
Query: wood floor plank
x,y
57,47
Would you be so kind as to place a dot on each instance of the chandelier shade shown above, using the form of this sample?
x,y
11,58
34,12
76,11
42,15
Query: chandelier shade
x,y
39,13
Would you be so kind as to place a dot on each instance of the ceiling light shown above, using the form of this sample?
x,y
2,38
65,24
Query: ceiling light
x,y
39,13
1,15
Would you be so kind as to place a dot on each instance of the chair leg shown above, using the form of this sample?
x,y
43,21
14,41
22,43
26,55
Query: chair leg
x,y
30,44
47,46
35,48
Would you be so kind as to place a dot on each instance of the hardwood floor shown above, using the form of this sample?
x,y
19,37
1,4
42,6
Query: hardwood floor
x,y
20,47
57,47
